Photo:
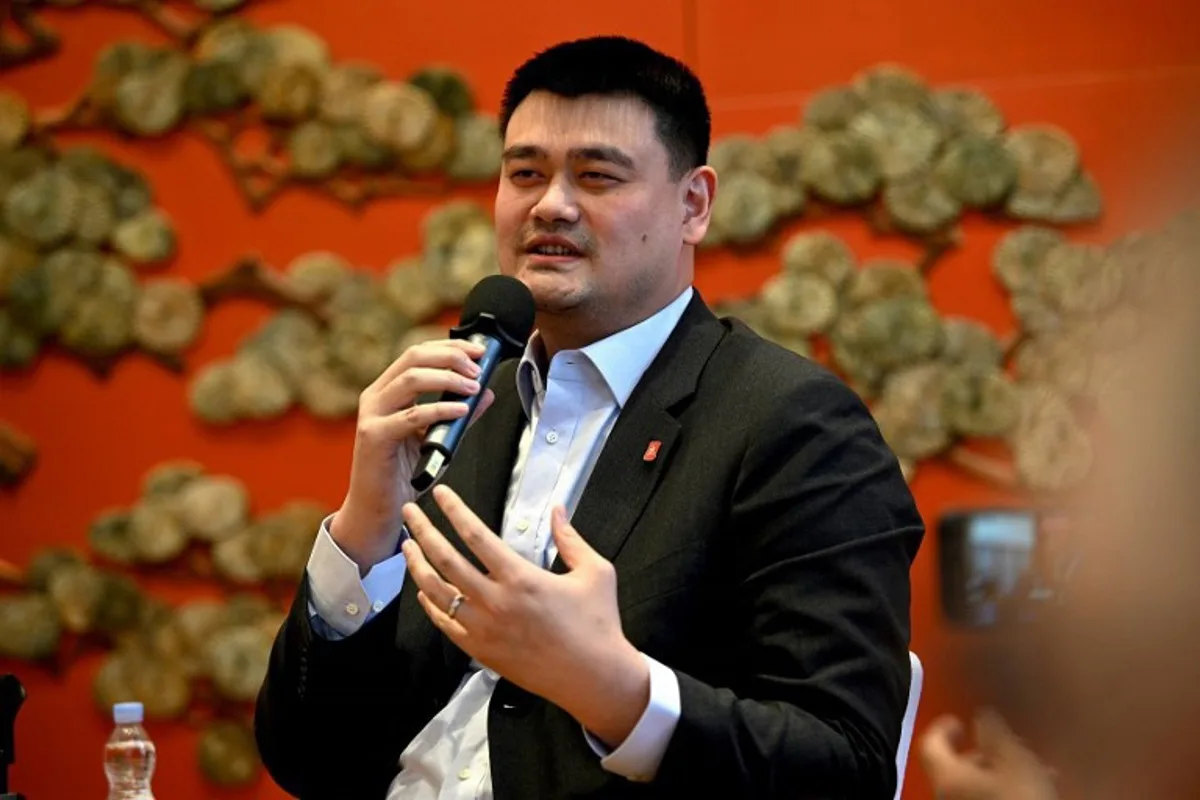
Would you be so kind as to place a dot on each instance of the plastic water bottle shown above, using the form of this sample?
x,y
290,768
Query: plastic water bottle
x,y
129,755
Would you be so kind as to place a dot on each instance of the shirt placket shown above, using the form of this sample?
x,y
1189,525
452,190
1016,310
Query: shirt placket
x,y
554,430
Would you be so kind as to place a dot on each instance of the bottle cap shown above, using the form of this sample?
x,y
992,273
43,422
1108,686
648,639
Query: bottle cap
x,y
127,713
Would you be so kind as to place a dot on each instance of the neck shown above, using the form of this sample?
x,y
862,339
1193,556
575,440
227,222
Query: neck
x,y
565,332
583,325
577,329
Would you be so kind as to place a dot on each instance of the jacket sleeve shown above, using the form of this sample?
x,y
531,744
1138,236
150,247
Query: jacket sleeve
x,y
332,716
341,600
826,530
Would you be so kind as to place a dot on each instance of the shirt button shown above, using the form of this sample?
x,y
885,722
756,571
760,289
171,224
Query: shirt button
x,y
523,525
552,437
378,606
352,608
464,773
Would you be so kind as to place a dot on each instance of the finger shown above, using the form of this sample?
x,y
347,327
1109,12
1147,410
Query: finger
x,y
482,541
400,425
444,557
450,354
573,548
447,625
413,382
997,741
938,740
441,591
456,354
948,769
992,733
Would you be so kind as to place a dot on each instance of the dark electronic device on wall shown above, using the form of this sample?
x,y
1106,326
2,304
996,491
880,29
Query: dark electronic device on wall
x,y
1003,565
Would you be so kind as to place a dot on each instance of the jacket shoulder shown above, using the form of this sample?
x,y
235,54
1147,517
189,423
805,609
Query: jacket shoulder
x,y
747,363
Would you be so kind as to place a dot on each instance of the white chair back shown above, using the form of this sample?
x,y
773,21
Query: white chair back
x,y
910,718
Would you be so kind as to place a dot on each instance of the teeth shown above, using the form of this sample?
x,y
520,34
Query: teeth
x,y
553,250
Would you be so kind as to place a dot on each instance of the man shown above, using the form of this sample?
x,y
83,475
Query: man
x,y
725,614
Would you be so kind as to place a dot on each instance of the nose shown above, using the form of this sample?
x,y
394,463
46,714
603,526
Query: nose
x,y
557,203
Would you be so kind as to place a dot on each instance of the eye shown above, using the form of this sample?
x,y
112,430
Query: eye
x,y
597,176
523,176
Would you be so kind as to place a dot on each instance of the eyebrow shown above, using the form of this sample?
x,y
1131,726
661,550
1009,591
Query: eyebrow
x,y
612,155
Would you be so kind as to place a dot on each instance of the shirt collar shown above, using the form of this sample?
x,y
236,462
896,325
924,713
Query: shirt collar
x,y
621,359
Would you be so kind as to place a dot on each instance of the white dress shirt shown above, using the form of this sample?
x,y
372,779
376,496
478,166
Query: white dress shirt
x,y
569,414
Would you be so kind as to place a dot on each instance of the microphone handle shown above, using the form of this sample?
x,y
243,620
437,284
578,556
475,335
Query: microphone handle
x,y
442,438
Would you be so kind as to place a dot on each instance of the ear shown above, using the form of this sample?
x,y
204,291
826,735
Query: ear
x,y
699,189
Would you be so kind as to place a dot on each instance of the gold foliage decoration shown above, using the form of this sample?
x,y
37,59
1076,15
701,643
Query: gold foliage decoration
x,y
937,383
181,20
82,246
200,662
913,158
18,455
282,113
347,325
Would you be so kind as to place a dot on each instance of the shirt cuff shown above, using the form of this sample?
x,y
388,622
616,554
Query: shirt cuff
x,y
339,596
638,757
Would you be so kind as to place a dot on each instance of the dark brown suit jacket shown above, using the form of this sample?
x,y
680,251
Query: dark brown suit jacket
x,y
763,555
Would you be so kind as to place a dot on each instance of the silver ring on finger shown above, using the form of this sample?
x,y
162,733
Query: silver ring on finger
x,y
455,604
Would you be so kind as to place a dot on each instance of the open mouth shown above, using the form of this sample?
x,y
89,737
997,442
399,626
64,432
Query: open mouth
x,y
553,248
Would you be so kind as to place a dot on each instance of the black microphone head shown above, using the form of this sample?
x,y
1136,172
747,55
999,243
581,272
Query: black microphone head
x,y
507,300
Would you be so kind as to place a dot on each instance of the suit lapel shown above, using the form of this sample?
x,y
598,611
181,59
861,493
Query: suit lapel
x,y
495,448
631,464
487,455
623,479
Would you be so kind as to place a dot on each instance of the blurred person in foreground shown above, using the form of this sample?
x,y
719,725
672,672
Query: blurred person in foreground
x,y
670,559
1113,674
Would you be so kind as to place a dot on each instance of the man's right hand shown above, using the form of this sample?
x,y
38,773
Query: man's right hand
x,y
391,426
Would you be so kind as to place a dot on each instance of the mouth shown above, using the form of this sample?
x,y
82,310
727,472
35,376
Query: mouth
x,y
552,251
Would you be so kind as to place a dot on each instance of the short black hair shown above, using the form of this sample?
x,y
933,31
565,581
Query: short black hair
x,y
616,65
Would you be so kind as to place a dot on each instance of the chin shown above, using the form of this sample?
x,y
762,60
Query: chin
x,y
556,302
552,291
555,299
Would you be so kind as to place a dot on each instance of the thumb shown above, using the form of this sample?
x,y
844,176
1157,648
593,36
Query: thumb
x,y
937,746
954,774
573,548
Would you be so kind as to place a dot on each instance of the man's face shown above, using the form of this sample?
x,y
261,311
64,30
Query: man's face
x,y
587,213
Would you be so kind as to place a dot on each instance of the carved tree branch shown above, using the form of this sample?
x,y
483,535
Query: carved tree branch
x,y
11,575
249,277
81,115
1011,342
43,43
987,468
40,41
102,365
18,455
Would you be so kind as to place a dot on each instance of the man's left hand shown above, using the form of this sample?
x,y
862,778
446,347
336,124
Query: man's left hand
x,y
556,636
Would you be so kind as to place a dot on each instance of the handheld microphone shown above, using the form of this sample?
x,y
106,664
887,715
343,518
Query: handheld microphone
x,y
498,314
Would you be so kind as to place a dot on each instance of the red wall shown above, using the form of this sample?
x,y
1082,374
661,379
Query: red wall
x,y
1122,76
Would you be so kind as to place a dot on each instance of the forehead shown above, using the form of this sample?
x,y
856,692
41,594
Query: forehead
x,y
559,124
